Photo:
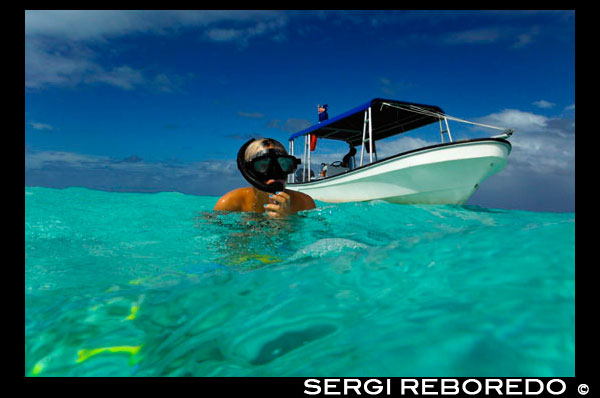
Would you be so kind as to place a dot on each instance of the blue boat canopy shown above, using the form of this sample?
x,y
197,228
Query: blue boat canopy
x,y
386,121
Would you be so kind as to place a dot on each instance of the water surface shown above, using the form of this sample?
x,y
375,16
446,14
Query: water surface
x,y
126,284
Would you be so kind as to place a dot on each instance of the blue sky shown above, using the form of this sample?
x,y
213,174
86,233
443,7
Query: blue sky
x,y
151,101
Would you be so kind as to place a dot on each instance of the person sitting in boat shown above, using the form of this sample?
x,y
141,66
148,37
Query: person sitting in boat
x,y
348,159
265,164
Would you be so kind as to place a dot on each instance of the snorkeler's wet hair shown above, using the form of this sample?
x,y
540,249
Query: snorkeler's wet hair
x,y
263,143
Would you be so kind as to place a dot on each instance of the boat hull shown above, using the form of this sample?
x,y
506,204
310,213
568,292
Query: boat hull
x,y
441,174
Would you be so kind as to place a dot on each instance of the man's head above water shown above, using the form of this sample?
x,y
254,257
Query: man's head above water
x,y
265,164
261,148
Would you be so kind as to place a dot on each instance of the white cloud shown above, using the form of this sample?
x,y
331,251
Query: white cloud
x,y
46,66
540,144
123,77
86,25
244,34
61,45
516,119
40,126
523,40
50,64
540,174
517,37
544,104
52,159
99,25
61,169
474,36
38,160
526,38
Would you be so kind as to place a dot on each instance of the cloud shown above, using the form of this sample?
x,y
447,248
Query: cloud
x,y
524,39
513,37
40,126
52,159
50,63
244,34
61,46
39,160
123,77
540,174
544,104
59,169
101,25
473,36
518,37
516,119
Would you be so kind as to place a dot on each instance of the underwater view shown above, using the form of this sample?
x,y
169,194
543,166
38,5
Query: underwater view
x,y
138,284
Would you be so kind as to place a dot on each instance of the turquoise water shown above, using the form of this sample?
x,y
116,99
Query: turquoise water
x,y
125,284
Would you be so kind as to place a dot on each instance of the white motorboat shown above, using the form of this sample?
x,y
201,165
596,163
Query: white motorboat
x,y
446,173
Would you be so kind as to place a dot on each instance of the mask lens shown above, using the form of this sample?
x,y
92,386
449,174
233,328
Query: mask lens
x,y
261,165
286,164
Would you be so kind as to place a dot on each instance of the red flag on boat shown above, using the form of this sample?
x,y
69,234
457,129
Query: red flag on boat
x,y
313,142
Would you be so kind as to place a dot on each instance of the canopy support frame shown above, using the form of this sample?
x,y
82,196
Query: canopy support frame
x,y
446,130
367,122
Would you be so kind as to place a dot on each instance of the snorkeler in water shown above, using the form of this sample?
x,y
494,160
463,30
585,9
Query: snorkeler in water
x,y
265,164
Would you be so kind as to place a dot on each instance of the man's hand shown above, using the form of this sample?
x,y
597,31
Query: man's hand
x,y
280,205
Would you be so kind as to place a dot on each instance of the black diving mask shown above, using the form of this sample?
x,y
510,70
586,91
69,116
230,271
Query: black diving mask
x,y
270,164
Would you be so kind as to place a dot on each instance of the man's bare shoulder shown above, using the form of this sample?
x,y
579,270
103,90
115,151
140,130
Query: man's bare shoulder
x,y
301,201
234,200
